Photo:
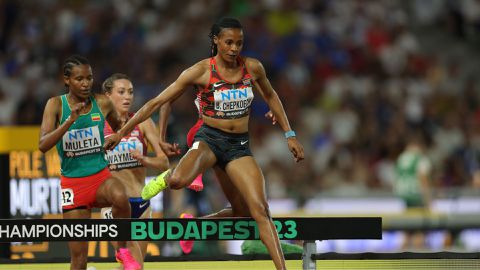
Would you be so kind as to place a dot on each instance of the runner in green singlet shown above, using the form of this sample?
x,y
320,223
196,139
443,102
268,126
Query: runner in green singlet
x,y
412,184
412,181
74,122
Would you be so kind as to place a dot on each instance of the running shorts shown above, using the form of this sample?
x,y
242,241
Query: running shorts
x,y
81,192
226,146
137,205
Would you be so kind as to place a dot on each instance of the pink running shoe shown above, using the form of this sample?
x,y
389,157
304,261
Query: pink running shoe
x,y
186,245
197,184
124,256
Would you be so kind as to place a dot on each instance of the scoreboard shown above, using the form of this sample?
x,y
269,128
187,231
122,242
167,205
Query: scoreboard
x,y
34,184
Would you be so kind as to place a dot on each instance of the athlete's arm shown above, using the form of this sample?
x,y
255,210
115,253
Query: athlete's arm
x,y
50,134
160,161
168,148
263,86
165,110
188,77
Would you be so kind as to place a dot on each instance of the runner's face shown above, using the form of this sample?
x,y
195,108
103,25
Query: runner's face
x,y
80,81
229,44
121,95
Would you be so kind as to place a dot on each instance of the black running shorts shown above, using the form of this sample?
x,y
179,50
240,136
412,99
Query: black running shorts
x,y
226,146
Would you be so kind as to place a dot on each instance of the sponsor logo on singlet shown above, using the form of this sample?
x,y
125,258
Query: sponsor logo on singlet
x,y
121,157
233,102
80,142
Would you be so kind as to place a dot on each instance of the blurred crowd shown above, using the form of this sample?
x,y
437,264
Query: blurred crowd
x,y
356,77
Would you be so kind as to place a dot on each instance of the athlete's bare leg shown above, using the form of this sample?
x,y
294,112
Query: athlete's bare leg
x,y
238,207
112,193
78,249
248,179
142,245
137,248
194,162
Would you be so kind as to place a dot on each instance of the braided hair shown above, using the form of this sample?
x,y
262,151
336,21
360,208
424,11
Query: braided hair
x,y
217,27
73,61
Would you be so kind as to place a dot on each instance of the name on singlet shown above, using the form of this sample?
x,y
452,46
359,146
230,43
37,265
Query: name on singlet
x,y
121,157
233,101
80,142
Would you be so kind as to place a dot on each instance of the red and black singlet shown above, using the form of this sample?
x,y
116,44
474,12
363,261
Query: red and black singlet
x,y
222,99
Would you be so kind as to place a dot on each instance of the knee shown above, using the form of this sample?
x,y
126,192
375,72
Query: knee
x,y
260,210
174,181
119,198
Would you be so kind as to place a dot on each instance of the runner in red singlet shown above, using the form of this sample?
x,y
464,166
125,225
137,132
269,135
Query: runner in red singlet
x,y
226,83
128,162
237,207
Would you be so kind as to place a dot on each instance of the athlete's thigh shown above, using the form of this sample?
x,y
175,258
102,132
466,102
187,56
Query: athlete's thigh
x,y
248,179
106,191
197,159
231,192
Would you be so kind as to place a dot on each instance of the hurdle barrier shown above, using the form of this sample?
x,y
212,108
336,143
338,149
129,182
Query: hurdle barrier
x,y
307,229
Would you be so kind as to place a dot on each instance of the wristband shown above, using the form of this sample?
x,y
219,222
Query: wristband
x,y
289,134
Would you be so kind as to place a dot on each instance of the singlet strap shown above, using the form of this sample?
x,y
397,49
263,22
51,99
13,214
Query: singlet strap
x,y
213,63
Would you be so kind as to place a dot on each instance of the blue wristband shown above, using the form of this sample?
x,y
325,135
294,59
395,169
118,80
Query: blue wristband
x,y
289,134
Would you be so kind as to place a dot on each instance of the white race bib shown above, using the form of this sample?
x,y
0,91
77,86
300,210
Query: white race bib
x,y
67,197
233,99
120,157
84,141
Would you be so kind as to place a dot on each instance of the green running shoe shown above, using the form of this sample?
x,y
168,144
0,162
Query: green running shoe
x,y
155,186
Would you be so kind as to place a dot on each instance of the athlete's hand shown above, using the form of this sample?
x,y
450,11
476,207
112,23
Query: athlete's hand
x,y
269,115
76,109
296,148
136,155
112,141
170,149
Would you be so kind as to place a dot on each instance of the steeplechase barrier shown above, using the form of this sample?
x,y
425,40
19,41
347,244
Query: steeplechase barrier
x,y
307,229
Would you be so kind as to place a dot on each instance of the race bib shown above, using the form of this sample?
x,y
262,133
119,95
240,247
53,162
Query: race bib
x,y
84,141
67,197
121,157
233,101
106,213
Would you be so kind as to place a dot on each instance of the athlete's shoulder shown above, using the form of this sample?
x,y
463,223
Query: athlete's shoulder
x,y
196,71
103,102
55,101
100,98
53,105
251,60
254,66
201,66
